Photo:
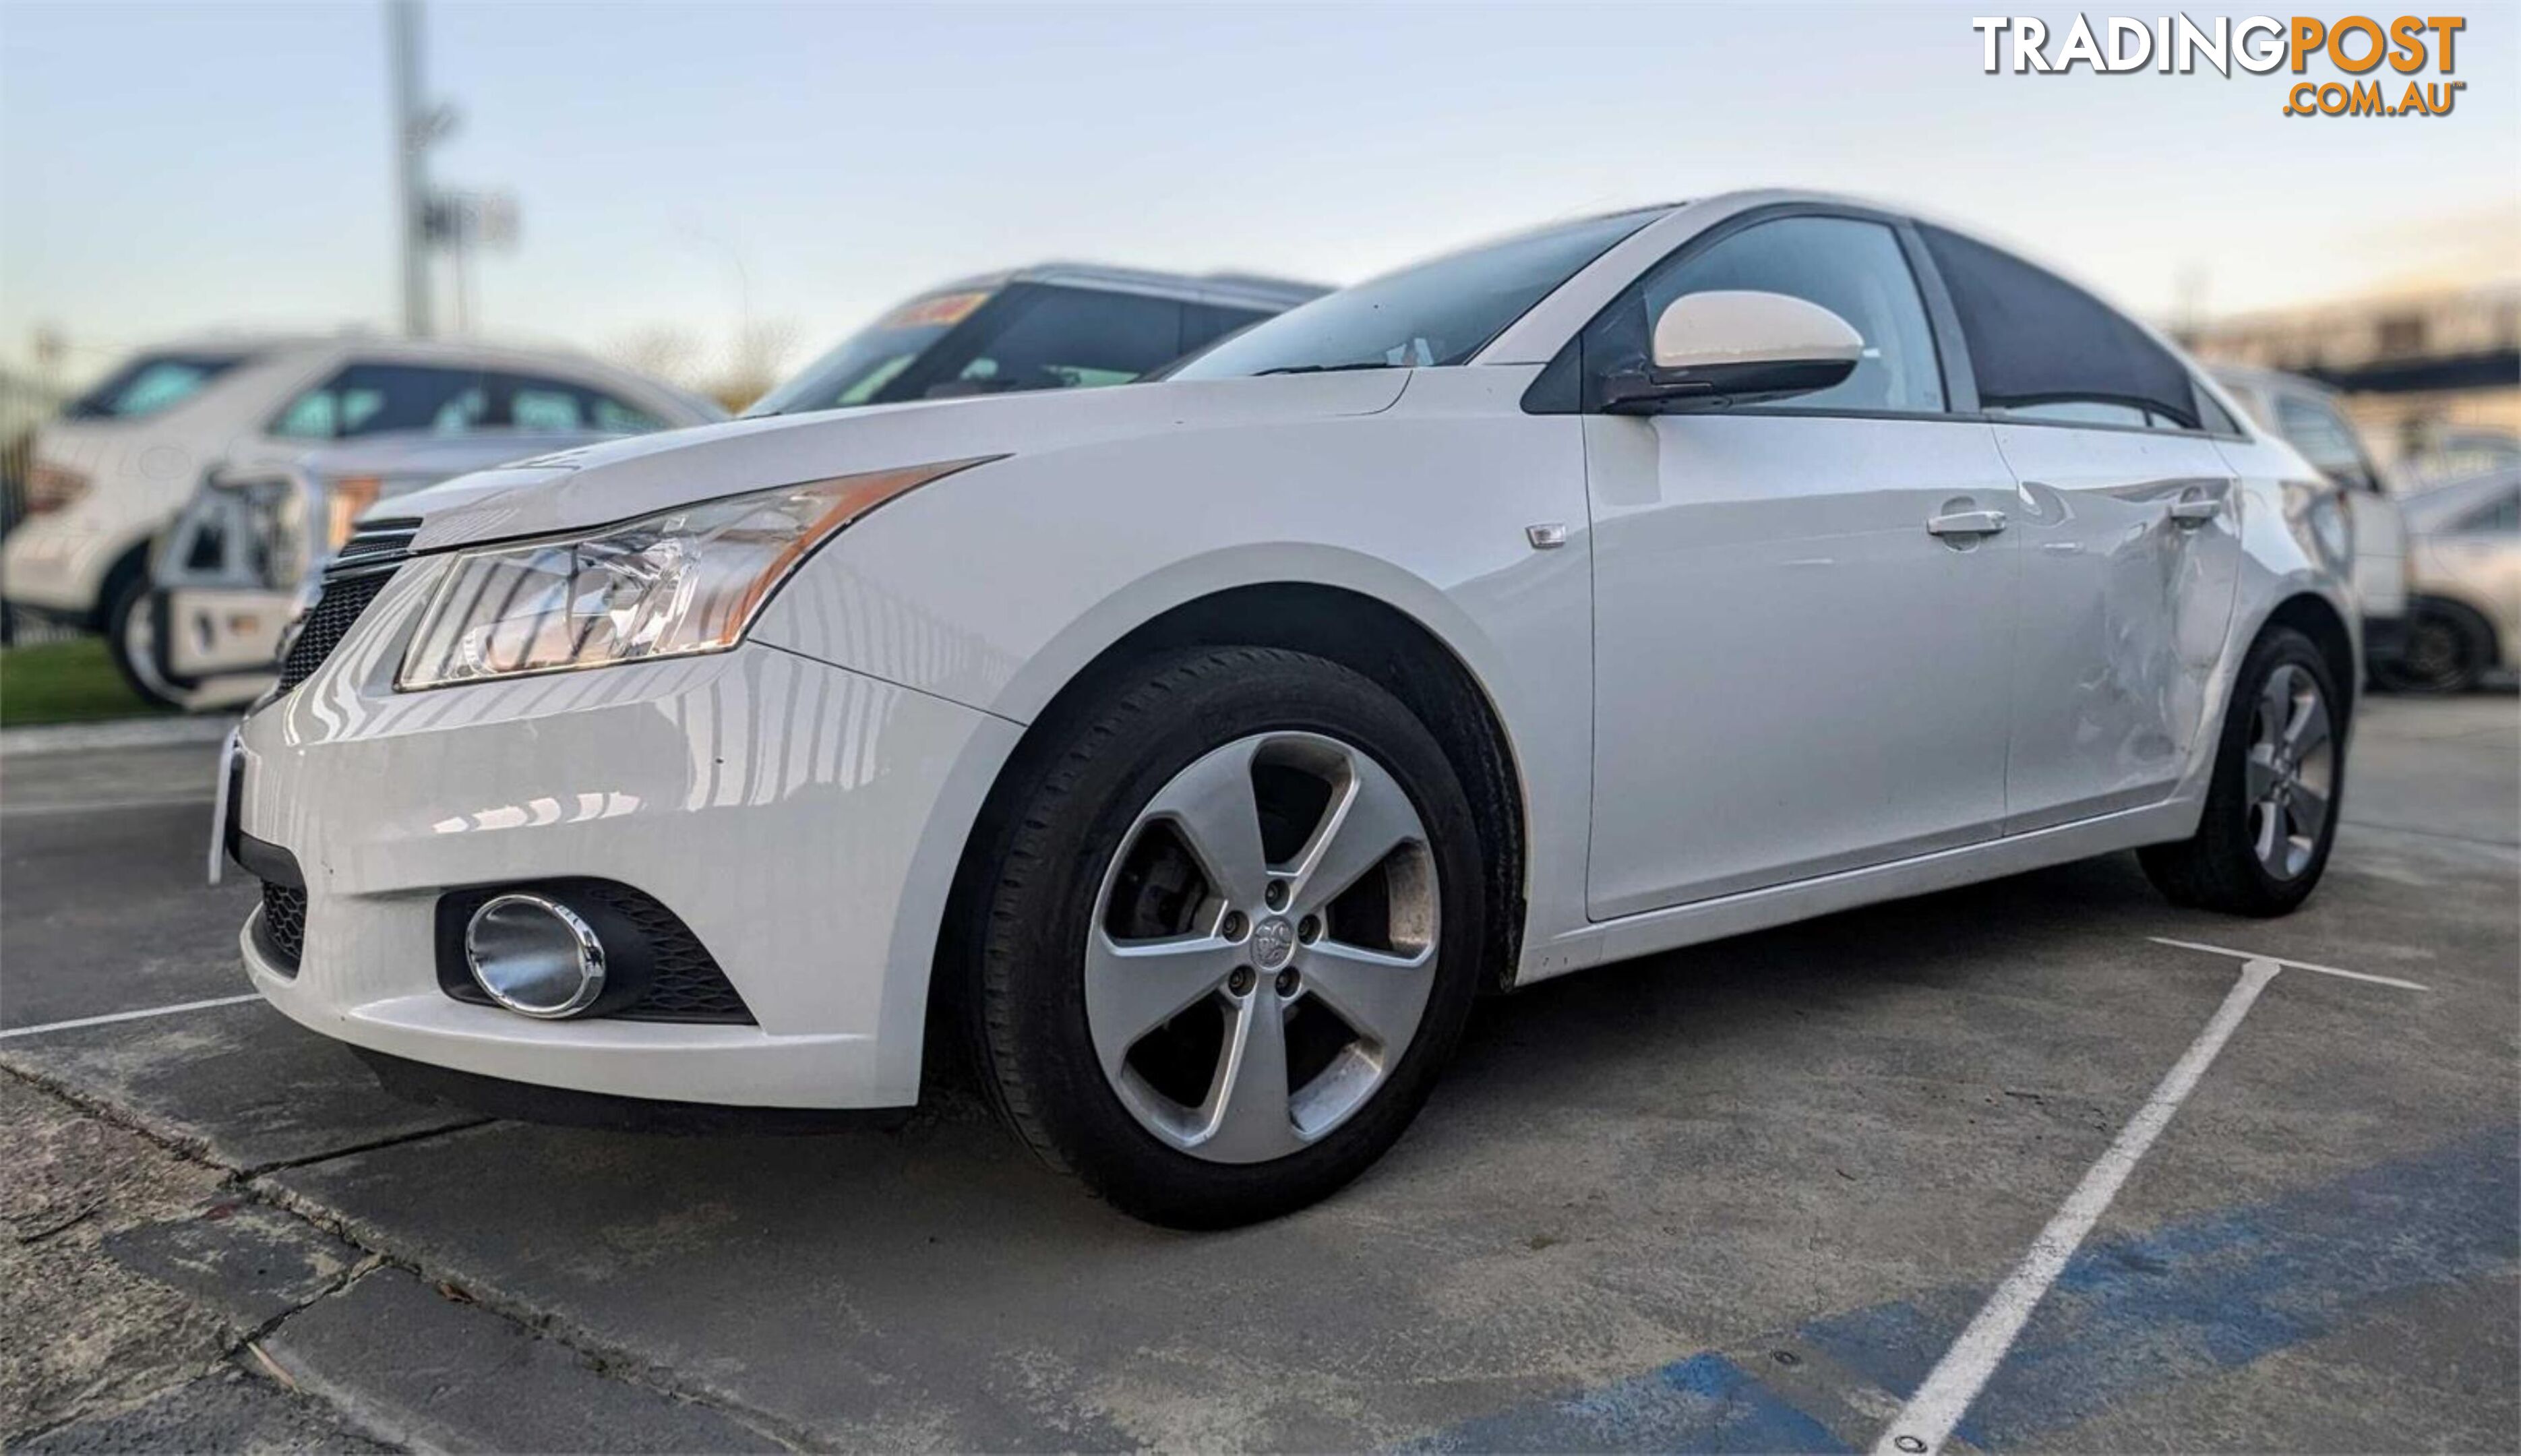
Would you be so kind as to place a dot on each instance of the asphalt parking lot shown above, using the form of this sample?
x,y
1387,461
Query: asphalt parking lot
x,y
1742,1196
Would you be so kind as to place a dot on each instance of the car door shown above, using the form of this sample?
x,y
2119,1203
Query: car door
x,y
1802,611
2130,550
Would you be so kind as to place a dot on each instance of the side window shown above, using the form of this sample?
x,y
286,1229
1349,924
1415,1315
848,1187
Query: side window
x,y
2216,418
2038,344
542,404
1061,339
2500,517
375,399
538,403
2326,440
1853,268
605,412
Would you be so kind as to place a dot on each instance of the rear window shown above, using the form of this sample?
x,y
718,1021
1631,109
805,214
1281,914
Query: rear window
x,y
150,384
2044,349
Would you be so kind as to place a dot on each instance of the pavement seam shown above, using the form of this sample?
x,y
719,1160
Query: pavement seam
x,y
392,1140
614,1361
607,1360
192,1150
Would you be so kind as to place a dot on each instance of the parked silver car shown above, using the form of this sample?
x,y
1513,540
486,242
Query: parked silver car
x,y
121,461
225,574
2308,415
2464,583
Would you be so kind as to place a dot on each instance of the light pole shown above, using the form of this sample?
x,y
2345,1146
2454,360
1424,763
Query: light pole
x,y
415,127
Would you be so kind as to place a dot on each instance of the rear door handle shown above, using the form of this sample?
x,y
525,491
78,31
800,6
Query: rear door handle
x,y
2196,509
1965,524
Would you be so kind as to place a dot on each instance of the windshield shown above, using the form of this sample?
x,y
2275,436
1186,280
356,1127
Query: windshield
x,y
1436,313
149,384
869,360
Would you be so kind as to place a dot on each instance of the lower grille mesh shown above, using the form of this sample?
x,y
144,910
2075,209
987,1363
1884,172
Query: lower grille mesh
x,y
684,984
283,923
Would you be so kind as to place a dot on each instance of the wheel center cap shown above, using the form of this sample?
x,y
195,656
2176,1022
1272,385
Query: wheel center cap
x,y
1273,941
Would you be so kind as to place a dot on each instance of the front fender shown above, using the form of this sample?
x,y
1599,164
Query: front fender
x,y
995,588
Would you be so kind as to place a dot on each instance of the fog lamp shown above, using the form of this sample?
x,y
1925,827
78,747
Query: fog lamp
x,y
533,956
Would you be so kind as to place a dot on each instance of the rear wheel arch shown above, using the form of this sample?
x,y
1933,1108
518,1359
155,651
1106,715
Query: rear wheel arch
x,y
2314,617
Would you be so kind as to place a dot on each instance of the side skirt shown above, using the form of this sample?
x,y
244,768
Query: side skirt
x,y
1676,925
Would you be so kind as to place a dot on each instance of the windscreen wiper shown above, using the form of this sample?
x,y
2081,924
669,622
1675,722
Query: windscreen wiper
x,y
1325,368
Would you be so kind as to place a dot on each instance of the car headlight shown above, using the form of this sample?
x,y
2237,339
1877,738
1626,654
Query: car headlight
x,y
683,581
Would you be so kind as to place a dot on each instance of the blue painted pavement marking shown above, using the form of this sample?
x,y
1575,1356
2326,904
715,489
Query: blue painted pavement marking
x,y
2128,1315
2213,1292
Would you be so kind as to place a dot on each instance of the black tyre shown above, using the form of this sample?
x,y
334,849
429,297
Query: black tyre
x,y
131,641
2279,769
1230,920
2447,650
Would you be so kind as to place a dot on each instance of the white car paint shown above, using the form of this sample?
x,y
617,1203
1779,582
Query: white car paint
x,y
1749,687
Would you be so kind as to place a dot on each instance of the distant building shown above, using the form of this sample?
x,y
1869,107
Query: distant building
x,y
2416,368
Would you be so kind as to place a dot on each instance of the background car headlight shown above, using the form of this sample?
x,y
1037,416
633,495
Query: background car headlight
x,y
686,580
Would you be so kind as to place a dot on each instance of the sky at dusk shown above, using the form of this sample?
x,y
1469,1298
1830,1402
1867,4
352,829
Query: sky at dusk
x,y
682,167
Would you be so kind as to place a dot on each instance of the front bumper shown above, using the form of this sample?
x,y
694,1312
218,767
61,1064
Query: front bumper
x,y
802,820
50,565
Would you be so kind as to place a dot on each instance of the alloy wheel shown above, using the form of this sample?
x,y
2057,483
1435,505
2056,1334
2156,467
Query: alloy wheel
x,y
2291,771
1262,947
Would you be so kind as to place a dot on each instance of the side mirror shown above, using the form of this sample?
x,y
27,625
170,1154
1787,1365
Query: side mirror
x,y
1736,346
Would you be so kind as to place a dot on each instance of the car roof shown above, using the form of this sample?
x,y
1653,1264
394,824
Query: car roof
x,y
1229,290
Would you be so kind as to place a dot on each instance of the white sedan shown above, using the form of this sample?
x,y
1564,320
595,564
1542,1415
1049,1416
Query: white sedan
x,y
1204,747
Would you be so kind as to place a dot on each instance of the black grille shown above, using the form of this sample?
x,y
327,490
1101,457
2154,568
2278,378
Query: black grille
x,y
326,623
379,541
283,923
684,984
656,969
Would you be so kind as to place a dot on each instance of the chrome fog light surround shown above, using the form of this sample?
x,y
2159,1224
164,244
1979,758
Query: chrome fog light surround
x,y
535,956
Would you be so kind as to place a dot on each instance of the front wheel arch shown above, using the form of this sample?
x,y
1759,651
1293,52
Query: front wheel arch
x,y
1344,626
131,565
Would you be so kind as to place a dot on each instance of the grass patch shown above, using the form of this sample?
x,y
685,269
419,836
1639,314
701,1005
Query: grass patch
x,y
62,682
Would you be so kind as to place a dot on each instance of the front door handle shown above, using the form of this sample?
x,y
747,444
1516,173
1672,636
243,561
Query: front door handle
x,y
1965,524
2195,511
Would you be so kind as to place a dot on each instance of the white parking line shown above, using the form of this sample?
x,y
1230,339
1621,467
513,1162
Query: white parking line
x,y
1926,1422
2244,955
130,1016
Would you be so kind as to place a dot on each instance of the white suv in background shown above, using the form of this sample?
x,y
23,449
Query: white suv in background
x,y
122,458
